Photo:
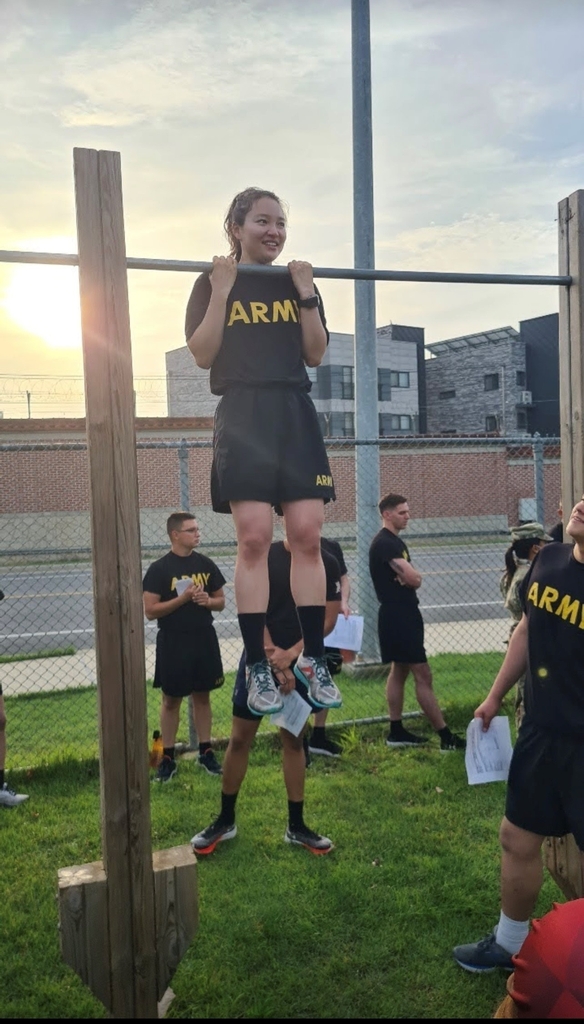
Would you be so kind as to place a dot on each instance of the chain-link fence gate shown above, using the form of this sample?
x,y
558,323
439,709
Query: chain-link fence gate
x,y
463,493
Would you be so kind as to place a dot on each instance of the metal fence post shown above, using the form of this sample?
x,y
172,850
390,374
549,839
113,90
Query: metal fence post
x,y
183,473
538,477
366,456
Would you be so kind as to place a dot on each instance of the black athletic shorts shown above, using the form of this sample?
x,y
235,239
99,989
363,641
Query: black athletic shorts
x,y
401,635
268,446
545,790
188,662
240,708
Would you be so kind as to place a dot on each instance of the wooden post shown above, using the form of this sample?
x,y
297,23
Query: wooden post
x,y
562,856
118,916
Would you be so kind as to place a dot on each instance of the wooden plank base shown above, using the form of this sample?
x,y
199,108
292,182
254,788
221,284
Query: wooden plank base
x,y
564,863
84,924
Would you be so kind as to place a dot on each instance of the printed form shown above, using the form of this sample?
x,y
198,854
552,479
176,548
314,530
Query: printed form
x,y
488,754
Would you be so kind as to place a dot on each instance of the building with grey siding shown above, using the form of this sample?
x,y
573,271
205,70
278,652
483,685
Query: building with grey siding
x,y
478,383
400,381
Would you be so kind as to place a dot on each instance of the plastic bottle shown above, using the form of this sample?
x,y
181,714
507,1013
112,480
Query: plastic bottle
x,y
156,749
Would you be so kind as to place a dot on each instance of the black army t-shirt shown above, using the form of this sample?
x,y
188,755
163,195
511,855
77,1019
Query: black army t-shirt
x,y
386,546
161,579
282,619
334,548
552,595
262,337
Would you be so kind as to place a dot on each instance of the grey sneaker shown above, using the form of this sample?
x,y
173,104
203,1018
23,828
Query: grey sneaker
x,y
314,673
217,832
483,956
310,840
8,798
263,697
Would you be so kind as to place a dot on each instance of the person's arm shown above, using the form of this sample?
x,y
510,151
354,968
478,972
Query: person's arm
x,y
314,335
511,670
206,340
215,601
154,608
406,574
345,595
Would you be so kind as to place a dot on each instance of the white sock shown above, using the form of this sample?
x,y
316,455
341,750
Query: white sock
x,y
511,935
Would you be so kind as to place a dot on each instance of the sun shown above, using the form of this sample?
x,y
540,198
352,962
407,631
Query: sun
x,y
44,300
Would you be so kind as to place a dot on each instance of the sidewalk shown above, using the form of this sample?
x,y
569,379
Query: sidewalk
x,y
45,675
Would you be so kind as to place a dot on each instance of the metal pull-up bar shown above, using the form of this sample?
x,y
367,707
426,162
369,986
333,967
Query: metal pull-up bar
x,y
332,273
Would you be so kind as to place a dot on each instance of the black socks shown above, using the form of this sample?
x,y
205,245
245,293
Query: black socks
x,y
312,625
252,626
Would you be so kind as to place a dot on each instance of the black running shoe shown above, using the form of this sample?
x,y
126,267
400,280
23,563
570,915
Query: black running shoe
x,y
217,832
483,956
452,742
327,748
403,738
310,840
166,769
209,762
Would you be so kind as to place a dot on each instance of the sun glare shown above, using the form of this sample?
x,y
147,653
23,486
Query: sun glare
x,y
44,300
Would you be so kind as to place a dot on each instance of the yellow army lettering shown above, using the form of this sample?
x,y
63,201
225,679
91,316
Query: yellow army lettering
x,y
259,312
568,607
324,481
200,579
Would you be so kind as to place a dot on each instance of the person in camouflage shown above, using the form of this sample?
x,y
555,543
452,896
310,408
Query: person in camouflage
x,y
526,541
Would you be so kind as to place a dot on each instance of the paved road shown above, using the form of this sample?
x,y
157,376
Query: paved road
x,y
48,607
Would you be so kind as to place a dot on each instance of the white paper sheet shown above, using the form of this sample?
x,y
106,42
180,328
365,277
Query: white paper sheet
x,y
294,714
182,585
488,754
347,634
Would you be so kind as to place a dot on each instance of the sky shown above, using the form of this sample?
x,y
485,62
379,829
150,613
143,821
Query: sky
x,y
478,133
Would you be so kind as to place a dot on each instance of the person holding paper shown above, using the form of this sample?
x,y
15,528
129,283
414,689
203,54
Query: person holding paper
x,y
401,627
181,591
283,645
545,789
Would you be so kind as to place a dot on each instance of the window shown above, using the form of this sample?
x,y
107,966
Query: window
x,y
347,382
491,381
399,379
391,423
447,394
490,424
520,378
384,385
521,419
337,424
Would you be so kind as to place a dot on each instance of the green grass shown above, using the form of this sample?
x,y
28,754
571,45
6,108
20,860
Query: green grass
x,y
363,933
48,726
57,652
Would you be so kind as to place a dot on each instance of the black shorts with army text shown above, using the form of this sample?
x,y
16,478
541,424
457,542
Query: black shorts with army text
x,y
188,662
545,788
268,447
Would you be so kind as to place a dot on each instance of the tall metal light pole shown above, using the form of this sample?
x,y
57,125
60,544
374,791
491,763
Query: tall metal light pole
x,y
365,357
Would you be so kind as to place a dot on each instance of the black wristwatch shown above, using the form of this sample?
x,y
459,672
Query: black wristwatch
x,y
309,303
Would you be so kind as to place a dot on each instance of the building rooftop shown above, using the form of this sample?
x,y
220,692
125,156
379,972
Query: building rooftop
x,y
474,340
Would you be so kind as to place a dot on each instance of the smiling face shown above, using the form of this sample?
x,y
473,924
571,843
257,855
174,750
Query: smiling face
x,y
263,233
575,527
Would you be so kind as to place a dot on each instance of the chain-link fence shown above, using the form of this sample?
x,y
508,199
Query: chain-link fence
x,y
464,494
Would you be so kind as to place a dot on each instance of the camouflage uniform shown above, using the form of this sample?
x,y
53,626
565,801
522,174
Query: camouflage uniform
x,y
510,592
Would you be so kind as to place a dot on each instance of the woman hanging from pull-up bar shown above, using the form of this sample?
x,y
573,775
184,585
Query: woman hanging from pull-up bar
x,y
257,333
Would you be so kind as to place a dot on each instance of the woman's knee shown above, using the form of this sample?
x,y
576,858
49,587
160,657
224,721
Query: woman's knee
x,y
253,543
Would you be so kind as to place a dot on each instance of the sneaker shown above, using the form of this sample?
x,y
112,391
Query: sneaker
x,y
209,762
217,832
8,798
405,739
452,743
314,673
263,696
485,955
166,769
304,836
327,748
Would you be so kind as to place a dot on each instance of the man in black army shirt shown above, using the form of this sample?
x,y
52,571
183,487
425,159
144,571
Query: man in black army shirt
x,y
545,789
283,644
401,627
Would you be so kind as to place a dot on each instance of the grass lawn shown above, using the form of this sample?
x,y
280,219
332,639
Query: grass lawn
x,y
48,726
363,933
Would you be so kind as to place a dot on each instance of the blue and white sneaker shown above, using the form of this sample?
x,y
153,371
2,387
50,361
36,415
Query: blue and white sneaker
x,y
263,696
483,956
314,673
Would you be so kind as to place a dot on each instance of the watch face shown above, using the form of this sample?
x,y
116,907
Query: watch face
x,y
309,303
